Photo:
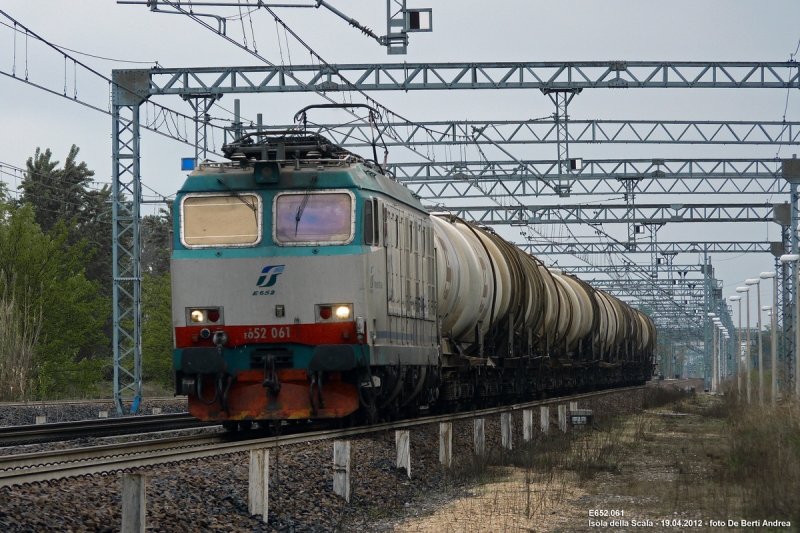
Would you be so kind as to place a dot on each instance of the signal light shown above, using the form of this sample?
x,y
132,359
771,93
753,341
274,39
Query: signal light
x,y
342,312
213,315
197,316
325,312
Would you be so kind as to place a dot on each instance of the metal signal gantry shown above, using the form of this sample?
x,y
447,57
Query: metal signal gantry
x,y
486,75
459,179
546,131
624,268
201,85
610,214
604,248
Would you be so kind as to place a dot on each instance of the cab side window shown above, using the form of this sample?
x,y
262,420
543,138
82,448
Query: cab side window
x,y
369,216
371,223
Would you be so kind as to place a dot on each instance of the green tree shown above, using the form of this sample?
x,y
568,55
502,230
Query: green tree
x,y
66,196
52,273
156,239
157,329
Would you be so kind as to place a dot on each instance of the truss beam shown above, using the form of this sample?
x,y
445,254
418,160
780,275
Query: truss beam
x,y
615,269
484,75
605,248
545,131
478,179
614,214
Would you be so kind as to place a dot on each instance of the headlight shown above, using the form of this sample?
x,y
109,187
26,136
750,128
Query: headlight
x,y
333,312
205,315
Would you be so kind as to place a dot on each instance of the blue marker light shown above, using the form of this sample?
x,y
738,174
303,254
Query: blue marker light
x,y
187,163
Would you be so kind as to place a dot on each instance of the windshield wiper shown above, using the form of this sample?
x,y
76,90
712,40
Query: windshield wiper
x,y
239,196
303,203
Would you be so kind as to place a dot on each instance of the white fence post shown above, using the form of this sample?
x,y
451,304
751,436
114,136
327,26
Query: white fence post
x,y
527,425
446,443
562,417
134,501
341,468
545,419
573,406
402,440
479,436
505,431
258,488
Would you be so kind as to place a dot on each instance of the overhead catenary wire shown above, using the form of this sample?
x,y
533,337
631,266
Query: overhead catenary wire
x,y
348,83
115,60
96,185
110,82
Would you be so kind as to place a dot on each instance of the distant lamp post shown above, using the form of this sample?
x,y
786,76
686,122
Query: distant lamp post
x,y
722,354
747,340
774,328
725,338
713,350
786,259
757,283
738,298
715,372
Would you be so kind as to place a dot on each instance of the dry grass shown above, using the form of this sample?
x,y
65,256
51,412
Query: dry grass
x,y
763,457
524,501
685,457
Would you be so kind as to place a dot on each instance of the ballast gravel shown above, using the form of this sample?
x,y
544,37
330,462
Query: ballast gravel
x,y
211,494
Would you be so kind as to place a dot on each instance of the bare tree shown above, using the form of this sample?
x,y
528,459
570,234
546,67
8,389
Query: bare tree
x,y
19,333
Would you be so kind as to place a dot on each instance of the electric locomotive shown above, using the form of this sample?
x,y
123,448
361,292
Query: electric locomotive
x,y
309,284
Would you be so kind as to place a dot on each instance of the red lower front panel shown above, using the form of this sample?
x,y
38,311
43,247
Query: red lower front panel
x,y
248,400
310,334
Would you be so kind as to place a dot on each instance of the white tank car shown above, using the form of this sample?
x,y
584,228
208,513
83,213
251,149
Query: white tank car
x,y
487,286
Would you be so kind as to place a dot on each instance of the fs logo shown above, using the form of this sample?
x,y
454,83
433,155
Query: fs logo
x,y
269,275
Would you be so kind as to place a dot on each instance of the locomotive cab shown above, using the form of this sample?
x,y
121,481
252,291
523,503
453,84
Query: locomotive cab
x,y
279,277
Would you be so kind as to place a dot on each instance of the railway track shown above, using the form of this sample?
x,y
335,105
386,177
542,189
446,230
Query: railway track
x,y
98,401
96,427
46,466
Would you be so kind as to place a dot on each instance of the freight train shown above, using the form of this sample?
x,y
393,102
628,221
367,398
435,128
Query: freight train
x,y
308,283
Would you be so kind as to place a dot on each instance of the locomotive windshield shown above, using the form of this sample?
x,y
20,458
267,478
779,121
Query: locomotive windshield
x,y
213,220
319,218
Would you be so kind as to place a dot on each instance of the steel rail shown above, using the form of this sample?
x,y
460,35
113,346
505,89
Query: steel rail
x,y
96,401
21,469
100,426
55,457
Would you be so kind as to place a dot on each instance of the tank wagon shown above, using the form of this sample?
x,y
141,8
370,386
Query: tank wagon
x,y
308,283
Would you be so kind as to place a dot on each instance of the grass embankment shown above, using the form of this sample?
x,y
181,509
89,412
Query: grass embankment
x,y
681,457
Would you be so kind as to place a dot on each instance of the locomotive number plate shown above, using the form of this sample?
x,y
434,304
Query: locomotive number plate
x,y
268,333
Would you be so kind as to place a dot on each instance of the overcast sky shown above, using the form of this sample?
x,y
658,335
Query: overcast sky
x,y
463,31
